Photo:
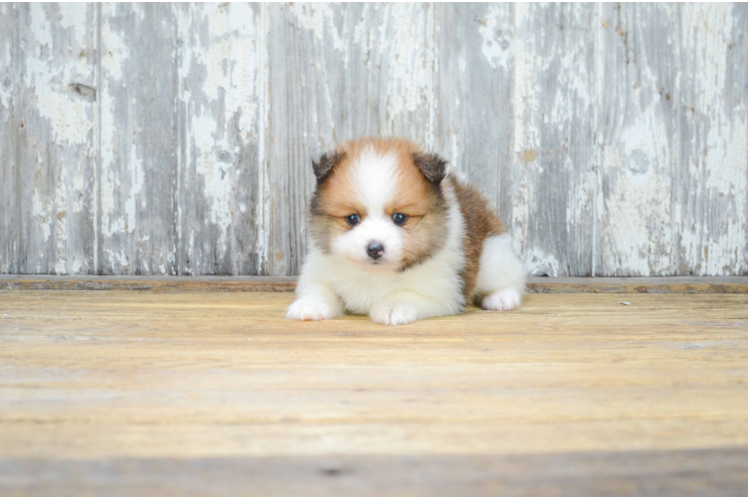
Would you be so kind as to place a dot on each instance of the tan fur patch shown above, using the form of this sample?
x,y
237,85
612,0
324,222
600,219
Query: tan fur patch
x,y
414,196
426,209
480,223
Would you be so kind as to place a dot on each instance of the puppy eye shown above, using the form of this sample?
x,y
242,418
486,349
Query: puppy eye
x,y
353,219
399,219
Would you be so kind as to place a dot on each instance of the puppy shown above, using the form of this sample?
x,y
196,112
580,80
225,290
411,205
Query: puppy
x,y
396,237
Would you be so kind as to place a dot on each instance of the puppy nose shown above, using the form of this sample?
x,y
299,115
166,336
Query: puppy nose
x,y
375,250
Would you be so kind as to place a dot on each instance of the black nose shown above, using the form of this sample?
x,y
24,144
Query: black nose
x,y
375,250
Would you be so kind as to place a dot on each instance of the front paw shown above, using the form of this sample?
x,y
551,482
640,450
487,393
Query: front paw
x,y
397,313
311,309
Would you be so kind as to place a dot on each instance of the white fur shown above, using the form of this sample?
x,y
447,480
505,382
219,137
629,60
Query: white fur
x,y
506,300
432,288
374,179
501,275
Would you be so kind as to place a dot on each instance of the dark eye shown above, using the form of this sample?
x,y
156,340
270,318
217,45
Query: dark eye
x,y
353,219
399,219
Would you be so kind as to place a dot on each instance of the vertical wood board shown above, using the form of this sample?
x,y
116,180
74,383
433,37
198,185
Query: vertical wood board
x,y
177,139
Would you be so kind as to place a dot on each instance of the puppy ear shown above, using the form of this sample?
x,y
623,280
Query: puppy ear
x,y
432,166
326,164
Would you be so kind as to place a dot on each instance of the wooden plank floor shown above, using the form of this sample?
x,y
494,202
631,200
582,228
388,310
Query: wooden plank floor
x,y
127,392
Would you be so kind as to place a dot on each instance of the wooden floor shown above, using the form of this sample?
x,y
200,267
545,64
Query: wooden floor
x,y
137,392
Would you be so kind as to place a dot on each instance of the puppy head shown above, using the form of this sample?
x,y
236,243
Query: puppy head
x,y
379,203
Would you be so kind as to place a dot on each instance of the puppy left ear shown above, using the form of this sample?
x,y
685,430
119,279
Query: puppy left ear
x,y
432,166
326,164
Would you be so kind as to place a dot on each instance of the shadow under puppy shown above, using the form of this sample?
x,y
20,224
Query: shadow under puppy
x,y
396,237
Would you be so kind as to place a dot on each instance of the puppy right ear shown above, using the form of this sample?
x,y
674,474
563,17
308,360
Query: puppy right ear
x,y
326,164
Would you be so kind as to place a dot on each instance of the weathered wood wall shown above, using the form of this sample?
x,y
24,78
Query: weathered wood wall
x,y
176,139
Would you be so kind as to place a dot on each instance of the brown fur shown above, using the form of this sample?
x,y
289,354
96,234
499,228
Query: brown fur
x,y
480,223
416,196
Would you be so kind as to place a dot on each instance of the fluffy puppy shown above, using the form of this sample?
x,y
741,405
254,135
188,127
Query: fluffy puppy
x,y
395,237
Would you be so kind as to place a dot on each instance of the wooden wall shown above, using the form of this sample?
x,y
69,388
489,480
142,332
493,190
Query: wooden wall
x,y
176,138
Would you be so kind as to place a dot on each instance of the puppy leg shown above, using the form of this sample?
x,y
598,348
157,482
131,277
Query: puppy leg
x,y
405,307
314,304
501,275
315,299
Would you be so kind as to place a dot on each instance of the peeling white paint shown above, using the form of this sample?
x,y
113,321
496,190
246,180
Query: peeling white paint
x,y
320,19
67,116
49,78
228,58
73,18
637,215
497,38
136,186
582,194
114,51
6,83
110,222
410,78
218,185
262,208
715,237
230,61
60,267
42,205
539,263
61,228
40,25
78,265
115,219
227,97
120,258
524,107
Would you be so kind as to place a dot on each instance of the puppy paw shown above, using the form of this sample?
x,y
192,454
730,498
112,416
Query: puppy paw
x,y
506,300
399,313
310,309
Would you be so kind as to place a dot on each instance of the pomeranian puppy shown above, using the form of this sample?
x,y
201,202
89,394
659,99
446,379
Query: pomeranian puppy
x,y
394,236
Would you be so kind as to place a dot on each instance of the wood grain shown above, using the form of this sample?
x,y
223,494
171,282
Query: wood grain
x,y
712,224
638,127
152,283
288,284
554,119
49,88
114,384
177,139
475,84
139,140
643,473
221,140
9,174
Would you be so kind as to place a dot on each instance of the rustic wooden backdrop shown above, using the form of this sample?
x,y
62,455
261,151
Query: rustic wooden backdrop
x,y
176,139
